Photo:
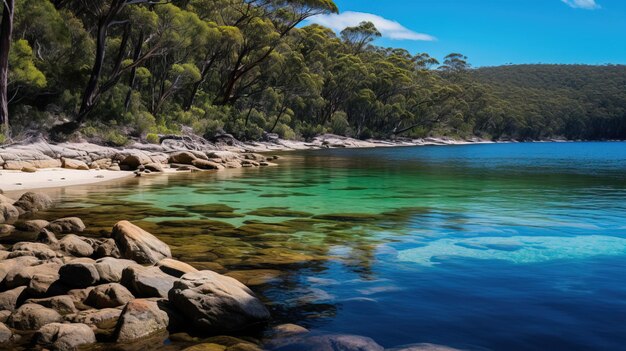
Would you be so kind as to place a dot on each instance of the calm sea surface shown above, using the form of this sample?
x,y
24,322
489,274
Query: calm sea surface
x,y
483,247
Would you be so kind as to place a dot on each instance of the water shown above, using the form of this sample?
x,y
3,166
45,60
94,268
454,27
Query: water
x,y
483,247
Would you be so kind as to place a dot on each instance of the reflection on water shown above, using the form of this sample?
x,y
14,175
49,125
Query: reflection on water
x,y
516,247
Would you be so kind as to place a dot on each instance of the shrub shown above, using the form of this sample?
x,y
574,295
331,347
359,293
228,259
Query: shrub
x,y
152,138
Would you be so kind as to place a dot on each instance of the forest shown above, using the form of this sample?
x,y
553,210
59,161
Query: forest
x,y
115,70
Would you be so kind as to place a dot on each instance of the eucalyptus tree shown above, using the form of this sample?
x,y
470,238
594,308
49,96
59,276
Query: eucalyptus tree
x,y
6,32
359,37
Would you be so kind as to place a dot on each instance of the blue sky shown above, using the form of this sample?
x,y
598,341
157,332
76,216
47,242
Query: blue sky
x,y
496,32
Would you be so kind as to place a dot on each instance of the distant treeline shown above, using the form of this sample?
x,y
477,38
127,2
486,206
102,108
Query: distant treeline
x,y
114,69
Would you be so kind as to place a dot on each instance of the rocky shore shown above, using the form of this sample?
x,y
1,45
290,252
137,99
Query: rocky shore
x,y
66,289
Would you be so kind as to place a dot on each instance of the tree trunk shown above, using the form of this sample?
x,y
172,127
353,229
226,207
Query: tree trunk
x,y
6,29
91,91
133,71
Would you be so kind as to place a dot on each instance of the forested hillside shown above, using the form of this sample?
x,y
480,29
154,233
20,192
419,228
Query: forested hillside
x,y
110,70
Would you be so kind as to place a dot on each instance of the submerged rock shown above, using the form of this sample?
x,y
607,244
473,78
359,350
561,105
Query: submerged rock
x,y
333,342
138,245
215,302
424,347
66,225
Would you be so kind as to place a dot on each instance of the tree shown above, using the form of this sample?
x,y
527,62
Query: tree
x,y
6,31
360,36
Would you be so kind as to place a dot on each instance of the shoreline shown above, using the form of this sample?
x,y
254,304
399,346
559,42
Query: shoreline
x,y
48,172
39,165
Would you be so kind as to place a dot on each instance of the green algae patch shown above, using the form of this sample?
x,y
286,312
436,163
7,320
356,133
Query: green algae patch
x,y
211,210
350,217
278,212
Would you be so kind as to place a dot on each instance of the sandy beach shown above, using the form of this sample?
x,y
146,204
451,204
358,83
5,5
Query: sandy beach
x,y
55,177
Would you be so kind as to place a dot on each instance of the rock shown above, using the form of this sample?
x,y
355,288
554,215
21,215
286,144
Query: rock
x,y
105,318
131,162
66,225
140,318
8,213
75,246
79,296
110,269
204,164
4,315
74,164
32,317
102,163
114,168
215,302
47,237
184,157
33,202
64,304
78,275
22,275
6,335
424,347
10,299
332,342
147,281
39,250
107,248
33,225
108,296
45,285
138,245
254,157
8,265
6,199
154,167
175,268
286,330
5,229
64,337
29,169
206,347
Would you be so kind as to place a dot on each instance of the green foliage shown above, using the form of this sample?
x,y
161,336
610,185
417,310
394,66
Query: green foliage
x,y
152,138
250,68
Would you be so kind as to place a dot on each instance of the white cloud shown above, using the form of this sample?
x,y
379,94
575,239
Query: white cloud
x,y
388,28
582,4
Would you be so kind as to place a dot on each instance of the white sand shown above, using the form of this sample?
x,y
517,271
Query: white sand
x,y
55,177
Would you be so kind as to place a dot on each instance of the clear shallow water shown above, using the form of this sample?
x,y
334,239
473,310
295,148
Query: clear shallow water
x,y
486,247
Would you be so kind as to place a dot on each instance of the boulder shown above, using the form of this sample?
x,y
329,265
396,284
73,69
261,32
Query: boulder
x,y
78,275
10,299
75,246
134,160
8,213
204,164
5,229
147,281
110,269
6,199
42,285
183,157
64,336
31,316
64,304
6,335
254,157
33,225
74,164
8,265
154,167
66,225
102,163
105,318
4,315
33,202
39,250
215,302
136,244
334,342
175,268
47,237
108,296
21,275
140,318
107,248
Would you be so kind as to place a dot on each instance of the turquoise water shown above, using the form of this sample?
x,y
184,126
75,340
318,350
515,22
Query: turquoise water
x,y
485,247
